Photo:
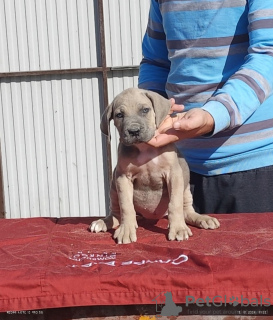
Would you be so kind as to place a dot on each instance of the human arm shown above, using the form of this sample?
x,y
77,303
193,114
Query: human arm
x,y
245,90
155,65
252,84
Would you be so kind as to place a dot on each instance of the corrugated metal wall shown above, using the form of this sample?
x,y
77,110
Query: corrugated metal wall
x,y
54,160
47,35
125,24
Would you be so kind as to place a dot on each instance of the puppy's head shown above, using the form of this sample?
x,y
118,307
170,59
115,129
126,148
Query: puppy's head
x,y
137,113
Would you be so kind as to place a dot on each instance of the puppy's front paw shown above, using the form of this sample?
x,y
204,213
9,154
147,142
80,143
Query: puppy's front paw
x,y
126,233
179,233
98,226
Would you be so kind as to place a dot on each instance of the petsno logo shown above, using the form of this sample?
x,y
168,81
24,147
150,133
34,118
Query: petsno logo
x,y
223,301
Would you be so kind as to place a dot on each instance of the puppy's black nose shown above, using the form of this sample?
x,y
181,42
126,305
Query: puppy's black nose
x,y
134,132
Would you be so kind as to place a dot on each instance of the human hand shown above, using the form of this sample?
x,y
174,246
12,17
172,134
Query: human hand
x,y
175,107
168,122
190,124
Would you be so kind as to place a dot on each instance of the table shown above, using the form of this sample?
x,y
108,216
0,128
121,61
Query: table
x,y
55,263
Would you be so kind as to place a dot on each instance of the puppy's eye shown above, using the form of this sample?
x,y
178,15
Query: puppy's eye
x,y
119,115
145,110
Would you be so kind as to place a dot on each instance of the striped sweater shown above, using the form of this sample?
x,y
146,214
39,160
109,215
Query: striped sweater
x,y
217,55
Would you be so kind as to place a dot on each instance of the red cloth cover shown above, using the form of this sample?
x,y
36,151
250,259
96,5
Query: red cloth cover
x,y
51,263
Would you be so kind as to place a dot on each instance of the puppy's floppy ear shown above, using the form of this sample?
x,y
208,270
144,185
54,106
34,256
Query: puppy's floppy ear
x,y
107,116
161,106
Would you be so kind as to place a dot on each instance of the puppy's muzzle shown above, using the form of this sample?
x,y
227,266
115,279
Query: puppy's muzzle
x,y
134,131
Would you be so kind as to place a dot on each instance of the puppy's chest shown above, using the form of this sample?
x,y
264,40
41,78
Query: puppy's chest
x,y
149,160
149,169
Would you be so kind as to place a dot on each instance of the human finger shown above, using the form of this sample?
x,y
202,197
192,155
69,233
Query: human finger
x,y
166,124
196,120
176,107
163,139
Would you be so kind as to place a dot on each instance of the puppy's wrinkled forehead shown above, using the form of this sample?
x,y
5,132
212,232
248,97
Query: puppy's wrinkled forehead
x,y
131,100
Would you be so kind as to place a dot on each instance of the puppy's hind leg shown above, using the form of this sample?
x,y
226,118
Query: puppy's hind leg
x,y
105,224
195,219
113,219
